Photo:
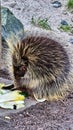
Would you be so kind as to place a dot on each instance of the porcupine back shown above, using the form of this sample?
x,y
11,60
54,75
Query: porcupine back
x,y
48,68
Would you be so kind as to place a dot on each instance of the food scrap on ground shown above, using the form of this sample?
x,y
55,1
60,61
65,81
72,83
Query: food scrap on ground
x,y
11,99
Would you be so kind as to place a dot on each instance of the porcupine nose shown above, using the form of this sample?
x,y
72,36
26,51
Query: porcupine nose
x,y
22,70
19,71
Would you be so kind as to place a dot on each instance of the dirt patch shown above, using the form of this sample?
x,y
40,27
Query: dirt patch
x,y
56,115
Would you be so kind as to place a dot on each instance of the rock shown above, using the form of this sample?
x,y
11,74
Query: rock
x,y
12,5
65,12
11,26
71,40
63,22
56,4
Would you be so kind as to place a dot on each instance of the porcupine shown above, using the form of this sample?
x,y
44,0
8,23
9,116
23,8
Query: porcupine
x,y
41,65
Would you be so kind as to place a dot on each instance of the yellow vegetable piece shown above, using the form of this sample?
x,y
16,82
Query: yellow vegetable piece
x,y
11,96
11,99
19,96
2,85
11,104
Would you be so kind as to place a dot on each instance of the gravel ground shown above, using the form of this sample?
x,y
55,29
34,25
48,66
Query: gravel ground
x,y
25,9
56,115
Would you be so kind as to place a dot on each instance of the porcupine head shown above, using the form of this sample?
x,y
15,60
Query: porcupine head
x,y
41,65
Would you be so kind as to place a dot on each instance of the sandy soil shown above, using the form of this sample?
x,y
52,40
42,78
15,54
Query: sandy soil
x,y
56,115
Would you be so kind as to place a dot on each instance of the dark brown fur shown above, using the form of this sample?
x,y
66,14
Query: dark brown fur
x,y
42,65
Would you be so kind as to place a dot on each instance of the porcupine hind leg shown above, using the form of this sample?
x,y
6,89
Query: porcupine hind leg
x,y
50,91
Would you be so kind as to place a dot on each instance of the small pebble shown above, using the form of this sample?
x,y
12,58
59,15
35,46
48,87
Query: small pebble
x,y
71,40
7,117
65,12
18,8
72,19
56,4
12,5
63,22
